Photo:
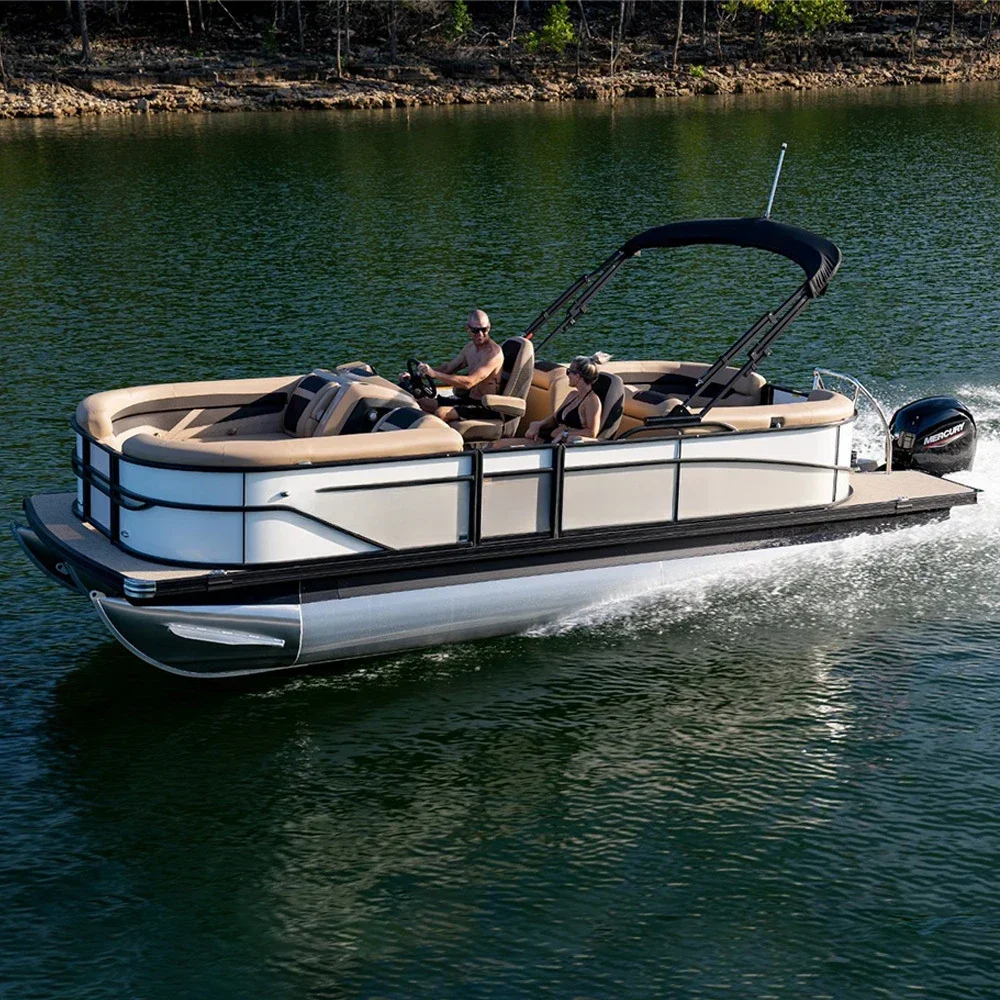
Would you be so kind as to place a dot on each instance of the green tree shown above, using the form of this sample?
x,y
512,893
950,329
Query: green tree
x,y
810,15
557,31
806,16
757,6
460,22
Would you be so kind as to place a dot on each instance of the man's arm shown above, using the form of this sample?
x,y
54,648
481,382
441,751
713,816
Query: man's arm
x,y
449,367
474,377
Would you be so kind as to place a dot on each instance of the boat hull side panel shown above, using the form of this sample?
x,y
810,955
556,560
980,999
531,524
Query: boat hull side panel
x,y
80,487
198,537
517,506
281,535
845,446
333,624
213,489
603,496
710,489
798,444
388,622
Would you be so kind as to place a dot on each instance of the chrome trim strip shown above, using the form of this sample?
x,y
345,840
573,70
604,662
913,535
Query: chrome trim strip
x,y
139,589
223,636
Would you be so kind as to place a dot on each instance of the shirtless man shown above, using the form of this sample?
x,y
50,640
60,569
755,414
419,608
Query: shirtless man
x,y
482,361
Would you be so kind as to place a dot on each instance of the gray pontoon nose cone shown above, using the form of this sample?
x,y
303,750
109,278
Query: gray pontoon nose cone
x,y
208,640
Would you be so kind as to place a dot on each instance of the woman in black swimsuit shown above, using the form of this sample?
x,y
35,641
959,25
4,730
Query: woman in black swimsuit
x,y
580,413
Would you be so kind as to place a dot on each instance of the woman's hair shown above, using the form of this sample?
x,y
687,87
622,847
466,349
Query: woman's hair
x,y
586,368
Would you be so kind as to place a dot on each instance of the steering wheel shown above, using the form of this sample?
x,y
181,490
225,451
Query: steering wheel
x,y
420,386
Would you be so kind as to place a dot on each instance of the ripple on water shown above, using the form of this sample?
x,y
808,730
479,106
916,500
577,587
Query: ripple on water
x,y
775,783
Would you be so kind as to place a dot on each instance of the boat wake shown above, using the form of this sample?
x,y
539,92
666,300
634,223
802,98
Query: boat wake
x,y
931,573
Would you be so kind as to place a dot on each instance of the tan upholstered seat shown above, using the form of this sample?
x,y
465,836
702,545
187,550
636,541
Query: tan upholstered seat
x,y
821,408
138,422
515,380
430,437
549,387
403,419
654,388
317,409
648,383
105,415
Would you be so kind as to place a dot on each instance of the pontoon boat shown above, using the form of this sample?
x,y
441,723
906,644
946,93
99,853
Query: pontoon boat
x,y
235,527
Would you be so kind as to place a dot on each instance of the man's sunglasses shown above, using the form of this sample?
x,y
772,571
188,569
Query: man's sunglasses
x,y
477,329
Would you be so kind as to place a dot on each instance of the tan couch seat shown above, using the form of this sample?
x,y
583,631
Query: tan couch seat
x,y
97,413
139,422
822,408
432,437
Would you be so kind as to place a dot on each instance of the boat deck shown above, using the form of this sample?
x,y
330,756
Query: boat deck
x,y
904,496
903,486
53,512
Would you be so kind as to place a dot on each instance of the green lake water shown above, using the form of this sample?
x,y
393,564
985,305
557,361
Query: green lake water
x,y
780,783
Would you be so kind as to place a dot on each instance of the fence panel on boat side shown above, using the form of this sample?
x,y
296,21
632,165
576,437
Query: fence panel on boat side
x,y
237,517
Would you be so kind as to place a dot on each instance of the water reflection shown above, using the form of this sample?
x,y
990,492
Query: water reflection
x,y
734,784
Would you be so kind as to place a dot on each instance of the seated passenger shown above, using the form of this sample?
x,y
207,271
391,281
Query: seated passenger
x,y
482,361
580,412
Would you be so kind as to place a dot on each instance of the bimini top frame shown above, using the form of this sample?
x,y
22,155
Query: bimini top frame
x,y
818,258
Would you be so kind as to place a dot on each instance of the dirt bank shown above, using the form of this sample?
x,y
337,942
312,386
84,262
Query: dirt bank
x,y
151,81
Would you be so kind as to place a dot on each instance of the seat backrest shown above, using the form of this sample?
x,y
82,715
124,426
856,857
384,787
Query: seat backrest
x,y
549,387
515,376
518,361
610,390
317,409
304,397
355,406
403,418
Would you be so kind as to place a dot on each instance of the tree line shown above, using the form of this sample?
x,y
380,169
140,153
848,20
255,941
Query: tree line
x,y
507,32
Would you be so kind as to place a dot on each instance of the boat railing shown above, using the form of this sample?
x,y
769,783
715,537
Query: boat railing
x,y
859,390
678,424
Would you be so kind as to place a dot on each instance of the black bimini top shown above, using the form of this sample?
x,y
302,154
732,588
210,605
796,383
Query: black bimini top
x,y
818,257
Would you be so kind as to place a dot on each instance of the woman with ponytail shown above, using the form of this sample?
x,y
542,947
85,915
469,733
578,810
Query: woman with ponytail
x,y
580,413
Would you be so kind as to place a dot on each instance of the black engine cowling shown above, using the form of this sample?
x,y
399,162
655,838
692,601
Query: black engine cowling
x,y
936,435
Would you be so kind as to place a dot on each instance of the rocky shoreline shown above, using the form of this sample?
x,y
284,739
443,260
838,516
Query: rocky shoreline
x,y
190,86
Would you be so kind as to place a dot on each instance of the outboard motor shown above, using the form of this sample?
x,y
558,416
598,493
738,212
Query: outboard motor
x,y
935,435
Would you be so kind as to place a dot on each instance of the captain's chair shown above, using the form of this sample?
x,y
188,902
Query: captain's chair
x,y
515,381
610,390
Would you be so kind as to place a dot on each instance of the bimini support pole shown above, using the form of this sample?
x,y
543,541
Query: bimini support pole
x,y
585,289
774,186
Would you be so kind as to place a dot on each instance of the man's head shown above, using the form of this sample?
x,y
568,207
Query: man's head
x,y
478,325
